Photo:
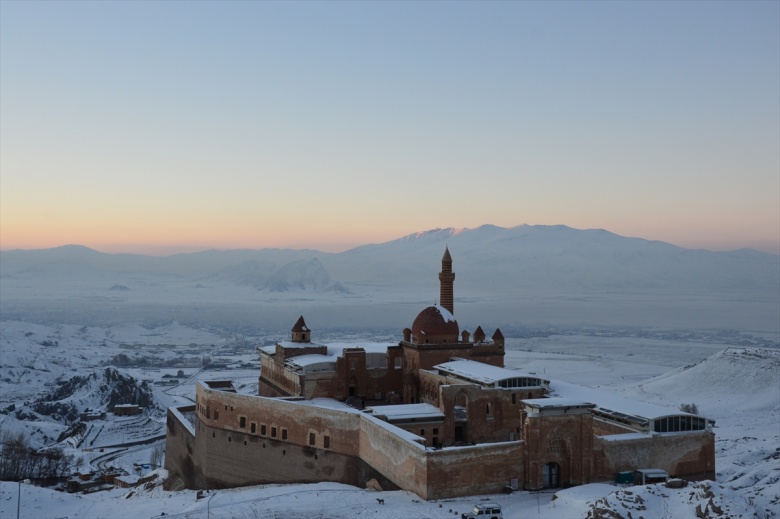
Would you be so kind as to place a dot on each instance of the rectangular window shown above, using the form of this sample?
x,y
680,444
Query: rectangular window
x,y
435,430
262,430
216,414
284,434
253,428
422,432
397,364
273,432
242,422
326,442
312,438
352,363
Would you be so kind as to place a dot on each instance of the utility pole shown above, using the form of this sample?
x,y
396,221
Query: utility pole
x,y
19,495
208,506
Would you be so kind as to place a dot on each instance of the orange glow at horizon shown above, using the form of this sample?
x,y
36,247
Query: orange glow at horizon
x,y
118,236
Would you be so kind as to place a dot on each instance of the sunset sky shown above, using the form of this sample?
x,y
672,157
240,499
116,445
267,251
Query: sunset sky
x,y
159,127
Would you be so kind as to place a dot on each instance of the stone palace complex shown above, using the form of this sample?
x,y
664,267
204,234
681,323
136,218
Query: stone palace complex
x,y
437,414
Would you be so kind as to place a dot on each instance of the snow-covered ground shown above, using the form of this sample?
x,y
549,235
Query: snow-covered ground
x,y
728,377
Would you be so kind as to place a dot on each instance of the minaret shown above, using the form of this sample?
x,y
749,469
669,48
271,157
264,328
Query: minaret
x,y
446,280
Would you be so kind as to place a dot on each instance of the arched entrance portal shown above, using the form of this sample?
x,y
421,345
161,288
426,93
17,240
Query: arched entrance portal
x,y
551,475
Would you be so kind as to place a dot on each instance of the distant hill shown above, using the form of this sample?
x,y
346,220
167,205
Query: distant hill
x,y
490,257
522,273
554,258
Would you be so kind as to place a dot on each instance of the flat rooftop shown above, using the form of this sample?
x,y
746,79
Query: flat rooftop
x,y
407,412
483,373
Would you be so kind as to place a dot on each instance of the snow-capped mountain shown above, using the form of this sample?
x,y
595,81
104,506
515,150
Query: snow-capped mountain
x,y
547,274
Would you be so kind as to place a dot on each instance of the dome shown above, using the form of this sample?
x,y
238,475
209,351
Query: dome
x,y
435,321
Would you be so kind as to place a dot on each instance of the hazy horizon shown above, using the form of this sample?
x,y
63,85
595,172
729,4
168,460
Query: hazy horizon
x,y
334,248
170,127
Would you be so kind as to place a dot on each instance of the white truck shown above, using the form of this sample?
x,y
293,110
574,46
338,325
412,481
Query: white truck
x,y
484,511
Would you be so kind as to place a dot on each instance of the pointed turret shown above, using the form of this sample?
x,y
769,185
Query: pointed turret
x,y
498,338
300,332
447,259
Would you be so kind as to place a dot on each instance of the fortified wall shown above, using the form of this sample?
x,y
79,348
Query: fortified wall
x,y
212,446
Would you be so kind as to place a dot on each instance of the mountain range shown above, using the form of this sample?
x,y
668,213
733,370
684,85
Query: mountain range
x,y
523,263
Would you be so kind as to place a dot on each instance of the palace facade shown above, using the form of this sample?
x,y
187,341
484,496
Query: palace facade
x,y
437,414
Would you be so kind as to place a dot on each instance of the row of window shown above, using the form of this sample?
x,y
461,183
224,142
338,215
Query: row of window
x,y
205,410
520,382
264,431
679,424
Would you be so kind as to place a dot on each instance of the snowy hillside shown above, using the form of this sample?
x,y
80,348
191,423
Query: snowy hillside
x,y
740,388
736,386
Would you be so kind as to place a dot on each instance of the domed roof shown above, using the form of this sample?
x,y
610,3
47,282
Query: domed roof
x,y
435,321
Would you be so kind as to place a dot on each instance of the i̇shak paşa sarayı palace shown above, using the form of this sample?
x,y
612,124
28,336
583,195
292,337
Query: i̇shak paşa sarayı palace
x,y
436,414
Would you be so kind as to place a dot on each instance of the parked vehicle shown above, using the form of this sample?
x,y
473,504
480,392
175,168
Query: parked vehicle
x,y
484,511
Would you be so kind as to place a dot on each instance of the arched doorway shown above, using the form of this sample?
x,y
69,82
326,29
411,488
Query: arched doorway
x,y
551,475
459,437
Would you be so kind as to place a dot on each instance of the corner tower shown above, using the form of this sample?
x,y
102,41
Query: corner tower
x,y
300,332
446,281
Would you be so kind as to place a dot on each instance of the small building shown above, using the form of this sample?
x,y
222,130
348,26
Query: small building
x,y
131,481
89,415
649,476
128,410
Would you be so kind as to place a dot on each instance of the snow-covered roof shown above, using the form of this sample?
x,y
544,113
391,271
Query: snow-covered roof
x,y
336,350
481,372
407,412
609,402
446,315
330,403
326,403
557,402
290,344
313,358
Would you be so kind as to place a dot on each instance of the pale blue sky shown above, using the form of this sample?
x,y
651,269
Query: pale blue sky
x,y
188,125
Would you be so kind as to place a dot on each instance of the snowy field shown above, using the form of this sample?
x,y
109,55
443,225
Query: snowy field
x,y
732,377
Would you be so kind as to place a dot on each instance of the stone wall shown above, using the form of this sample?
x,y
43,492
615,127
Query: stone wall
x,y
319,444
603,427
477,469
565,440
180,449
494,414
239,440
689,455
276,379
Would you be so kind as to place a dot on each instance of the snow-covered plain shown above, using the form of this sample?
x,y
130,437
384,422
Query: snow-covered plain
x,y
731,376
